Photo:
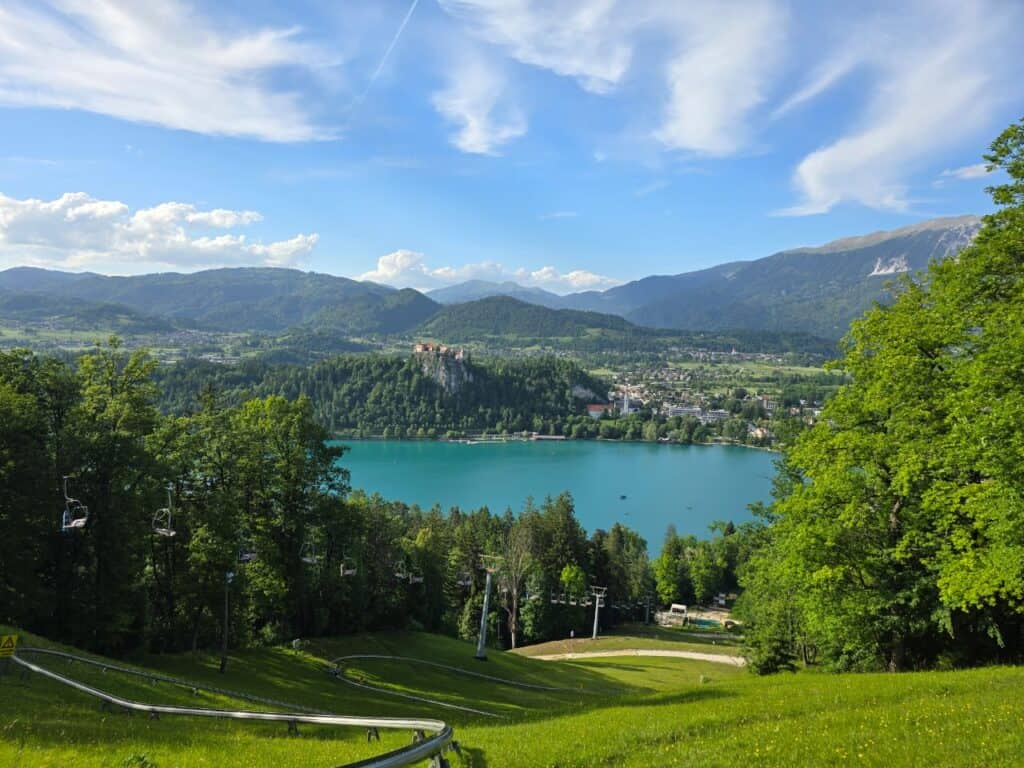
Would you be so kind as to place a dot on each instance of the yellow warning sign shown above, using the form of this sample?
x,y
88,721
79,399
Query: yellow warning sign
x,y
8,644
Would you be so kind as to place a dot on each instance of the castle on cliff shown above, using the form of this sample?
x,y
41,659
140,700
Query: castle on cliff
x,y
427,347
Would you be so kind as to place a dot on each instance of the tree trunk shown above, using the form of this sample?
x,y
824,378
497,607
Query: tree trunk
x,y
514,619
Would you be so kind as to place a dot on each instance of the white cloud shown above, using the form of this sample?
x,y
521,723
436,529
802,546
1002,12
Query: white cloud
x,y
935,86
472,100
649,189
717,58
77,231
565,282
976,171
159,62
583,40
558,215
727,56
405,268
828,74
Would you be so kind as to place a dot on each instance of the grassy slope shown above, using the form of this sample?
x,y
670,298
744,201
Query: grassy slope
x,y
638,636
630,711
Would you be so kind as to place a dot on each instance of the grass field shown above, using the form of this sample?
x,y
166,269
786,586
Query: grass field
x,y
614,711
640,637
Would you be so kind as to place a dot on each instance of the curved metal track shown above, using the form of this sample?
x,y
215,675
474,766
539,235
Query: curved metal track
x,y
423,748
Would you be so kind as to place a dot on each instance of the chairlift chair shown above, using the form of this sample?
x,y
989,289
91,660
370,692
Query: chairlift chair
x,y
554,598
246,552
346,568
572,600
415,578
309,555
400,573
163,520
75,514
464,580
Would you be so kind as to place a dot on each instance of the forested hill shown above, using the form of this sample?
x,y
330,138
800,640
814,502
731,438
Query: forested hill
x,y
388,395
504,316
44,310
815,290
242,299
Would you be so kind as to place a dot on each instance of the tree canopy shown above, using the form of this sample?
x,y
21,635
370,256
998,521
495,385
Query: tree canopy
x,y
897,535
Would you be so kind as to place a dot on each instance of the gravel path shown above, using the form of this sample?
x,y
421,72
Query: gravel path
x,y
718,658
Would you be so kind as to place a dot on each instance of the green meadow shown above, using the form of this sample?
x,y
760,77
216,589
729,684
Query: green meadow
x,y
614,711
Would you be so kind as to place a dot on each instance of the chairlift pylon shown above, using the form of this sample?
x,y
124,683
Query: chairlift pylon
x,y
163,519
75,514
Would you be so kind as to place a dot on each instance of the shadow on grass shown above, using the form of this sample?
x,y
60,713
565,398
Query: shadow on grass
x,y
301,678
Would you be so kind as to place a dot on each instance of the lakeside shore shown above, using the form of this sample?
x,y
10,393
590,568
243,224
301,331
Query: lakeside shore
x,y
481,439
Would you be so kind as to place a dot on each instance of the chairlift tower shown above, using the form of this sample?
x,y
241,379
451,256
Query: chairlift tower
x,y
492,564
598,594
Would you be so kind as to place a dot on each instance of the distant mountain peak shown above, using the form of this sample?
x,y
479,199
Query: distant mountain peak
x,y
473,290
816,290
954,228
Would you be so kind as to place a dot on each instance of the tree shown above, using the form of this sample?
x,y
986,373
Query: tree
x,y
517,560
573,579
106,437
901,528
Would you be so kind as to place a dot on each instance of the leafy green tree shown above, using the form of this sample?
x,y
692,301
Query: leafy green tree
x,y
573,579
901,534
106,436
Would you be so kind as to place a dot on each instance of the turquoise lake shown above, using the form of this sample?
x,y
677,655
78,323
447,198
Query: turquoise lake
x,y
689,486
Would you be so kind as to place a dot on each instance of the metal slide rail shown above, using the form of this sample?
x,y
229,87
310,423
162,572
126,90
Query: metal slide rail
x,y
107,665
423,748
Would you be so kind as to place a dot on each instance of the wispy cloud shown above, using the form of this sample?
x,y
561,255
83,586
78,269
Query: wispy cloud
x,y
976,171
649,189
716,65
22,160
472,101
77,231
935,86
727,55
558,215
827,74
582,40
160,62
404,268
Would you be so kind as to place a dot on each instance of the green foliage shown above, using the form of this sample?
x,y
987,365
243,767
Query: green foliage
x,y
898,538
504,316
573,580
261,516
249,299
630,713
372,394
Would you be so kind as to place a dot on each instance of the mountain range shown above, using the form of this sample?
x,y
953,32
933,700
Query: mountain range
x,y
472,290
816,291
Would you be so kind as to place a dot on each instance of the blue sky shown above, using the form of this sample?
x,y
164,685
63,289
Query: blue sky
x,y
570,145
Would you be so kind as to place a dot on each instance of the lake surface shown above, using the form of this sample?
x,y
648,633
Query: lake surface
x,y
687,485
